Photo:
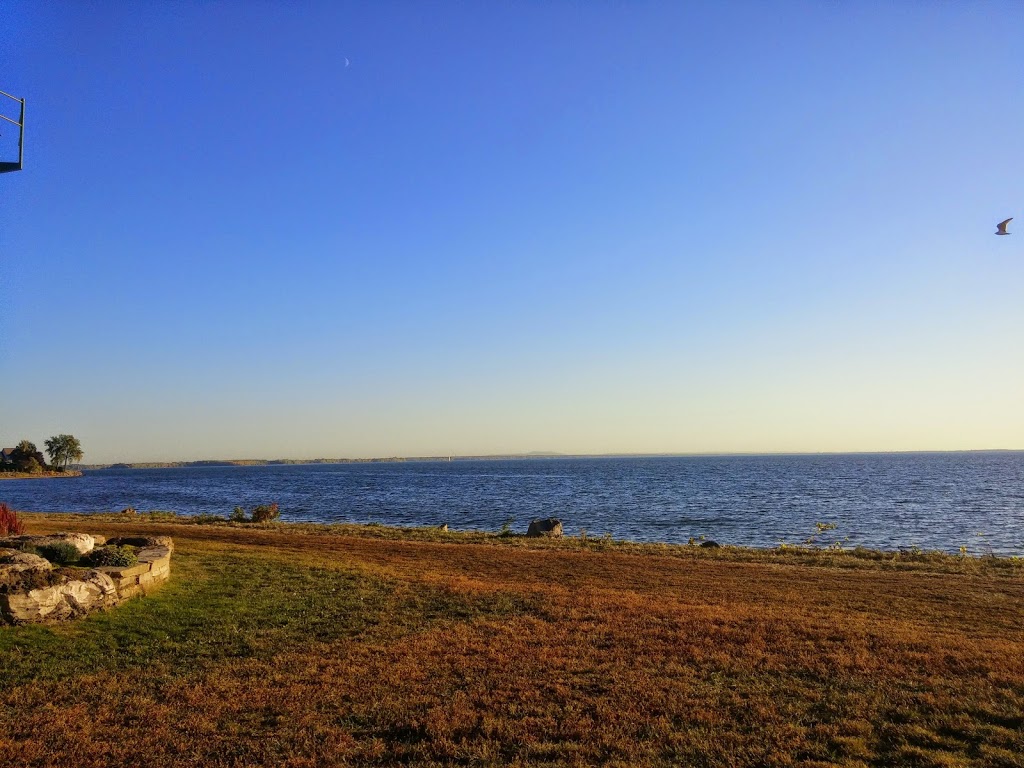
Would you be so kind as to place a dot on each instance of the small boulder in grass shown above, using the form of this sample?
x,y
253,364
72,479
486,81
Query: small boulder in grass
x,y
710,544
550,526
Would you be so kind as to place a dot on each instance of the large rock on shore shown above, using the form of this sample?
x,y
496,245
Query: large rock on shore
x,y
550,526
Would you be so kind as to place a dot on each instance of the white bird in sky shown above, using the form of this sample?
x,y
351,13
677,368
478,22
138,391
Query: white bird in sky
x,y
1001,226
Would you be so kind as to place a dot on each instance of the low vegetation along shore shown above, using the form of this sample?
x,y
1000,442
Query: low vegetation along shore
x,y
40,474
304,645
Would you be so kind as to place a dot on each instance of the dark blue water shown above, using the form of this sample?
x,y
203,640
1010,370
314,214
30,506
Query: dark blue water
x,y
933,501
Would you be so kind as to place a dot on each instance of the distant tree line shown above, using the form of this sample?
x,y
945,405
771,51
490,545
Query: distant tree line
x,y
25,457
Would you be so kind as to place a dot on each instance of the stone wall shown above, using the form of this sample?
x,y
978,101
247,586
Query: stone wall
x,y
154,553
33,590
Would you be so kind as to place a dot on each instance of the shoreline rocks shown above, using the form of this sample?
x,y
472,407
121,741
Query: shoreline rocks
x,y
550,526
39,475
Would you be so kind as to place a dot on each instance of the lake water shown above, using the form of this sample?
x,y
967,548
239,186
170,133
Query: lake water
x,y
932,500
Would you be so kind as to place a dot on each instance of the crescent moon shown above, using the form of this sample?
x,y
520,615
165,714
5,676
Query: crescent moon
x,y
346,62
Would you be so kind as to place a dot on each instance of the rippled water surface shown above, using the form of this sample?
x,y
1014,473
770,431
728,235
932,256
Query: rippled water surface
x,y
934,501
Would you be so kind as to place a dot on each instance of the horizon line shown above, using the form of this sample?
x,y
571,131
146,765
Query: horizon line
x,y
542,455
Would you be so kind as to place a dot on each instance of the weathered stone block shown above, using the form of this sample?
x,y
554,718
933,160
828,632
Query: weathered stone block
x,y
33,606
152,554
126,583
75,597
13,561
103,582
148,582
83,542
124,571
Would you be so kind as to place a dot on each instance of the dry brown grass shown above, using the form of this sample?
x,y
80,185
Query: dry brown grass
x,y
278,647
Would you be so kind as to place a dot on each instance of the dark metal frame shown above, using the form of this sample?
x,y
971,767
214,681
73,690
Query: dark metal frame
x,y
20,122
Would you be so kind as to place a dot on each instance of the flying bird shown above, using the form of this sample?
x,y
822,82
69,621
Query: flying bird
x,y
1001,227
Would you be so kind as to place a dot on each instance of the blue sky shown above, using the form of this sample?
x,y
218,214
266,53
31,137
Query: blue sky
x,y
600,227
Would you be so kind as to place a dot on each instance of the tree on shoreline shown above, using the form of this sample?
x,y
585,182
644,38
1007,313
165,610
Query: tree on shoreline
x,y
27,458
64,449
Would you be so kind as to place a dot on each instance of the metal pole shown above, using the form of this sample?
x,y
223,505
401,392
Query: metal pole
x,y
21,137
6,167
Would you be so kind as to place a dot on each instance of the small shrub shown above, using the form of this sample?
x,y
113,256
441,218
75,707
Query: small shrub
x,y
120,557
10,525
265,512
206,519
238,516
161,515
60,553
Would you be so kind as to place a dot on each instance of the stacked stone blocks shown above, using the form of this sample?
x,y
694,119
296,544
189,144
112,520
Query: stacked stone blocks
x,y
32,590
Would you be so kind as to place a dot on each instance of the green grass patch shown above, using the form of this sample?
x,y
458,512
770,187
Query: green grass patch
x,y
247,605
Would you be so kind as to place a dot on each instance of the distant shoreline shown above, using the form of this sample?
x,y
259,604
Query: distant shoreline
x,y
38,475
291,462
491,457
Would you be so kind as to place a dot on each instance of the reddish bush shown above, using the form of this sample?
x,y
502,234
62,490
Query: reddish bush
x,y
10,525
265,512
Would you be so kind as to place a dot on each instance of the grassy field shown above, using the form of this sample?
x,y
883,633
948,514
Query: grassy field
x,y
320,646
